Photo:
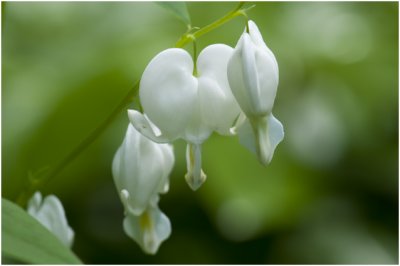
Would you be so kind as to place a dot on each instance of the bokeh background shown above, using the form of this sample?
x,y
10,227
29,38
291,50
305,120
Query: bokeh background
x,y
330,194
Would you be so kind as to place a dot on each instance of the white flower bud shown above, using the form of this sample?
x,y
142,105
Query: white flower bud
x,y
184,105
253,77
141,168
50,213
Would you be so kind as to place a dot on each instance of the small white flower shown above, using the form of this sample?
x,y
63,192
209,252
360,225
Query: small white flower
x,y
253,77
50,213
185,105
141,171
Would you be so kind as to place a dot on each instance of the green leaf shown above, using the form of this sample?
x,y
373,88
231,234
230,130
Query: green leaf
x,y
179,9
25,239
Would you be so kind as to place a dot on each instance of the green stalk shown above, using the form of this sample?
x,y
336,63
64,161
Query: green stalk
x,y
35,184
185,39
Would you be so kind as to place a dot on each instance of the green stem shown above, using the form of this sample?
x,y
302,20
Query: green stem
x,y
185,39
37,183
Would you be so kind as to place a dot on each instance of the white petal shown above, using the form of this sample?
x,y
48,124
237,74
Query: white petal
x,y
261,137
236,79
168,163
250,75
268,80
258,40
168,91
149,230
255,34
197,130
238,123
195,176
52,216
144,126
34,203
217,105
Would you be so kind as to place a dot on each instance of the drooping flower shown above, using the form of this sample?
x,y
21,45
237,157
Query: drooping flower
x,y
141,171
185,105
50,213
253,78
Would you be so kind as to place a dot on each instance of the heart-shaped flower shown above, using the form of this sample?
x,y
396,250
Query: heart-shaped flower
x,y
185,105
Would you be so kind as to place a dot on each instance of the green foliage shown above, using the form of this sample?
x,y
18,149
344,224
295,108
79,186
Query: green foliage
x,y
26,240
179,9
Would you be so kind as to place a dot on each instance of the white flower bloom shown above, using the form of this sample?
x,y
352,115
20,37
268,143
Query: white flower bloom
x,y
50,213
141,171
184,105
141,168
253,77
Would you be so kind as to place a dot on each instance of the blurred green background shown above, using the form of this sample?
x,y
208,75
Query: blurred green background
x,y
330,194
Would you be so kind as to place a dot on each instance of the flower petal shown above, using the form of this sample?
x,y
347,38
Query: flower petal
x,y
236,79
195,176
261,137
149,230
217,104
258,40
168,91
143,125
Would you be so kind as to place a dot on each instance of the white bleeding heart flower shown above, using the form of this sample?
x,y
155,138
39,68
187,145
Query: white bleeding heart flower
x,y
50,213
253,78
141,171
141,168
184,105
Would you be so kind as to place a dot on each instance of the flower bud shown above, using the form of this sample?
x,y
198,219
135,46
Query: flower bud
x,y
50,213
253,78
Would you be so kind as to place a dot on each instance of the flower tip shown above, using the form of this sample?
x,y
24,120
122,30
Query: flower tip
x,y
195,182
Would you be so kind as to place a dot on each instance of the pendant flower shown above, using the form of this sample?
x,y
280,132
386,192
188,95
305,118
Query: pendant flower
x,y
185,105
50,213
253,78
141,169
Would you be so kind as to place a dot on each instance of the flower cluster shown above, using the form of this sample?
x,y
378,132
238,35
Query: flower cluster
x,y
227,90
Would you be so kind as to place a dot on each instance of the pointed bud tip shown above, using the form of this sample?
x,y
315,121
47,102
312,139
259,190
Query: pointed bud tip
x,y
195,183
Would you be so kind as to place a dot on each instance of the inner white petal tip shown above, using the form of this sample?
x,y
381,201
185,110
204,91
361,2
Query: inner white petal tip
x,y
195,182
